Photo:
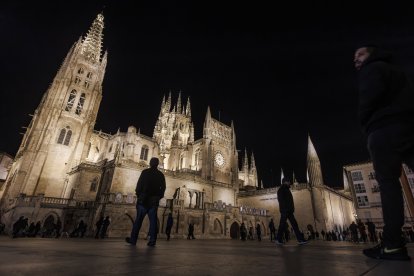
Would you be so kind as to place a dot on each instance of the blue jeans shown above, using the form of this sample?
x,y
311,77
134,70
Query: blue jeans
x,y
142,211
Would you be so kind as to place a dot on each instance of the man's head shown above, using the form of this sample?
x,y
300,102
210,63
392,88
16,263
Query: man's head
x,y
154,162
361,55
285,181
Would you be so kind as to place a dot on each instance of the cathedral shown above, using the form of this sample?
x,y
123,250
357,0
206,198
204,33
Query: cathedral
x,y
64,169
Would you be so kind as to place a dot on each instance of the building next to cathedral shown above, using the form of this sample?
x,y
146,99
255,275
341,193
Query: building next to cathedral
x,y
65,169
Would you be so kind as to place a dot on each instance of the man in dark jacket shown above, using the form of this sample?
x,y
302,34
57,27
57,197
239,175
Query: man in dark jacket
x,y
150,189
386,113
286,208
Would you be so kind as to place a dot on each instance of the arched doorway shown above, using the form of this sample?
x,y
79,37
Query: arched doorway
x,y
235,231
48,226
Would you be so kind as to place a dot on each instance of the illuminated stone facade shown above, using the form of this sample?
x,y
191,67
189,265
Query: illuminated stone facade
x,y
66,169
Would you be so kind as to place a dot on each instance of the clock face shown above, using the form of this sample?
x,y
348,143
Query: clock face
x,y
219,159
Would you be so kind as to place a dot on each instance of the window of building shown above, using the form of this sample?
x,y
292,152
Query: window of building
x,y
86,84
371,175
356,176
67,138
77,80
80,104
362,201
144,153
64,136
181,162
80,71
110,148
196,158
71,100
360,188
89,75
94,184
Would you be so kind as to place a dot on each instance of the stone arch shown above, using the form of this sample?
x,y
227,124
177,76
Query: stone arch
x,y
217,227
120,226
264,229
235,230
49,216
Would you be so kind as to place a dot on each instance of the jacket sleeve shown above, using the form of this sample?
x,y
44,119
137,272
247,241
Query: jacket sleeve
x,y
163,186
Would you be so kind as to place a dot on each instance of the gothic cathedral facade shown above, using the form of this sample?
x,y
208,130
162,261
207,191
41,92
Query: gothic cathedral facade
x,y
65,169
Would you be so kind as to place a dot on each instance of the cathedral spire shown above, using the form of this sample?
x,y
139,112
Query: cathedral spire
x,y
313,165
162,106
294,178
92,44
234,136
179,103
252,163
282,175
246,160
188,108
168,103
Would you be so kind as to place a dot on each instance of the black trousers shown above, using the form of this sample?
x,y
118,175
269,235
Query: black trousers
x,y
389,147
282,226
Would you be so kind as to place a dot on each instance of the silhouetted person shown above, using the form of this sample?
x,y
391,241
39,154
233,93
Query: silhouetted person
x,y
371,231
386,114
258,232
17,226
250,237
98,225
58,227
190,231
169,226
287,207
354,231
150,189
105,225
243,231
272,229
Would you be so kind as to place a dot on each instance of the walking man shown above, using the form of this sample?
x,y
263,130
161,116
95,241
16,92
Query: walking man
x,y
150,189
386,115
287,207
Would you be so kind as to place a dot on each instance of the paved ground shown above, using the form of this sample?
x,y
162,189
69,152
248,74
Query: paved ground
x,y
37,256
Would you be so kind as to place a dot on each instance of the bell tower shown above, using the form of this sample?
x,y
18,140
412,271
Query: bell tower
x,y
57,137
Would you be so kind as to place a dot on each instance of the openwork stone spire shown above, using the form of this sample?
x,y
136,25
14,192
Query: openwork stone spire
x,y
92,44
314,166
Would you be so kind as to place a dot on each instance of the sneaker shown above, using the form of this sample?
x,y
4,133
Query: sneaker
x,y
303,242
151,243
279,242
128,240
387,253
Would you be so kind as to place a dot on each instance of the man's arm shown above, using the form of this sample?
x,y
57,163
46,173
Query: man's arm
x,y
372,90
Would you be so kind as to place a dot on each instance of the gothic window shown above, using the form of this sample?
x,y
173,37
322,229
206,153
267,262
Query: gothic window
x,y
61,136
80,71
67,138
197,159
411,181
89,75
144,153
64,136
94,184
86,84
77,80
71,100
110,148
181,162
80,104
89,148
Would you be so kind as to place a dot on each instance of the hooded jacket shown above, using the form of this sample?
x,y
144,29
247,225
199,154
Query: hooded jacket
x,y
386,95
285,198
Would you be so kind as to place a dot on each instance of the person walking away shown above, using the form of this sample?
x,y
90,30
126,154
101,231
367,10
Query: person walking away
x,y
105,225
98,225
149,190
287,208
170,222
272,229
386,115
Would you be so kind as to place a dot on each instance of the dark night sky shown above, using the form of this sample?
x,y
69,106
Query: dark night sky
x,y
278,71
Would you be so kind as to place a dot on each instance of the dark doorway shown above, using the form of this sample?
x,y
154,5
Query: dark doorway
x,y
235,231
